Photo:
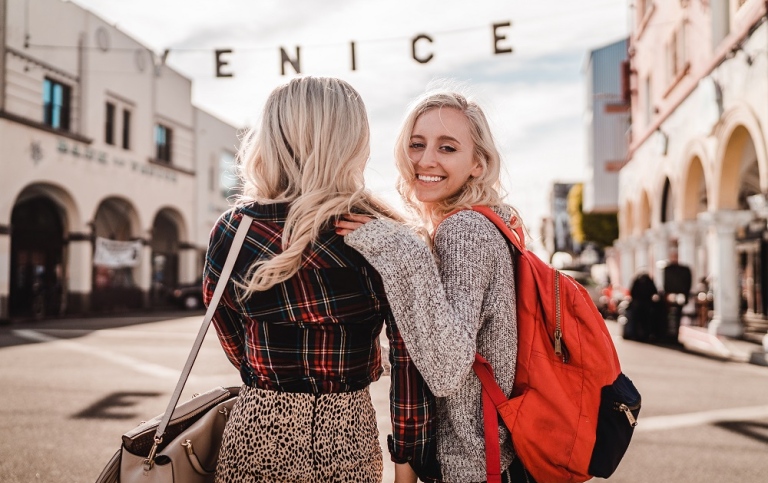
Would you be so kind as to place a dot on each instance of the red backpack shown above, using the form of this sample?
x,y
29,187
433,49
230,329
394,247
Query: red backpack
x,y
572,411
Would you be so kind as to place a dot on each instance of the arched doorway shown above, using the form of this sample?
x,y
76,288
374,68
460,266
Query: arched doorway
x,y
37,258
115,286
165,255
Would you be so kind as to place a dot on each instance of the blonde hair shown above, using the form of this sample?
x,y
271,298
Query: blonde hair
x,y
310,151
481,190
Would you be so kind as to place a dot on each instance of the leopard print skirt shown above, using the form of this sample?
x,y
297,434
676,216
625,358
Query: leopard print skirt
x,y
296,437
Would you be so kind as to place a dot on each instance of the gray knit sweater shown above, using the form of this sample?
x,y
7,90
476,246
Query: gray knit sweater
x,y
448,307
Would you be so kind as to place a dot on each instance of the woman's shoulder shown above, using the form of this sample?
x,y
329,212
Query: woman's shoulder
x,y
466,225
264,212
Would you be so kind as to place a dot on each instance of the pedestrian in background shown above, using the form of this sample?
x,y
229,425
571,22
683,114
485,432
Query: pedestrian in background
x,y
463,302
302,320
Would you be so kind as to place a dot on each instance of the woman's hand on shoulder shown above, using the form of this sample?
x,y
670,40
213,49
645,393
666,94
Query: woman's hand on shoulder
x,y
349,223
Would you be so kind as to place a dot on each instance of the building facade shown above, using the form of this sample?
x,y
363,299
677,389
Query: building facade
x,y
106,167
607,123
697,174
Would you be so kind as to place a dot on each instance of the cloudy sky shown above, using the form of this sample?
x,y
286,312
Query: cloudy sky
x,y
534,96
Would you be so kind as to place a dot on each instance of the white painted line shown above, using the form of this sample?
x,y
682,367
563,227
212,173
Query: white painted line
x,y
137,365
660,423
124,333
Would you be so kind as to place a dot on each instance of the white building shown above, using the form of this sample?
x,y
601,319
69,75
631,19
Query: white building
x,y
697,172
99,140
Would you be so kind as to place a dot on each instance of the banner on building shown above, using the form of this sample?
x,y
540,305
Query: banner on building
x,y
116,254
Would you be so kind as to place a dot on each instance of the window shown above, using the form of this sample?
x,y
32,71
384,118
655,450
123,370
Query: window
x,y
163,140
229,183
56,104
126,129
109,124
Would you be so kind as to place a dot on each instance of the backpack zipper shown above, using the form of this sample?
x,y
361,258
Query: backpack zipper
x,y
628,411
558,328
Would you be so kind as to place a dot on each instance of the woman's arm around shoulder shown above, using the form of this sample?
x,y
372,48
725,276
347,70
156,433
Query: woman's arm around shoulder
x,y
439,338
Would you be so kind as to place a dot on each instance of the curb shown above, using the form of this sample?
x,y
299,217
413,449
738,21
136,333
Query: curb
x,y
700,340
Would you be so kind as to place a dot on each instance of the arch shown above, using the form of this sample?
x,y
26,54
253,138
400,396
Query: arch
x,y
626,220
65,203
116,218
115,288
643,214
740,143
696,182
37,257
168,236
174,215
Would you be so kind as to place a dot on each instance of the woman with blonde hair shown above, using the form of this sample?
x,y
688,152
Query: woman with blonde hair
x,y
301,322
461,301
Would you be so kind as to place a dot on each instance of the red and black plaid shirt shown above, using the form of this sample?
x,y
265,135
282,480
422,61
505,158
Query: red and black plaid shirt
x,y
317,332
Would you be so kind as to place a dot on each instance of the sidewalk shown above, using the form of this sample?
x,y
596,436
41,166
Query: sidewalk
x,y
700,340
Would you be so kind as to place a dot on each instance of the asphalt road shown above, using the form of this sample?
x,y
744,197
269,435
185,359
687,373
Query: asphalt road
x,y
70,388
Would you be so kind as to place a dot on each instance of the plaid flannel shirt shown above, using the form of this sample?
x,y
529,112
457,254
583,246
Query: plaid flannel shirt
x,y
317,332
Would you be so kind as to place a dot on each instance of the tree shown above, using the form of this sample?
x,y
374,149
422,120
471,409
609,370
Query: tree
x,y
599,228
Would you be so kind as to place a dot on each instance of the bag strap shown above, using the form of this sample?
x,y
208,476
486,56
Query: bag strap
x,y
226,271
493,396
517,237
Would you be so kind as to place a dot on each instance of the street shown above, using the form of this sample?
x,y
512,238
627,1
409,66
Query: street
x,y
71,388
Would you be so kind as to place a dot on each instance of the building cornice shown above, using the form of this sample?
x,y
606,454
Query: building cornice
x,y
44,127
42,64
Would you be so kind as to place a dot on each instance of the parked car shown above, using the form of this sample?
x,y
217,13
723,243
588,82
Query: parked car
x,y
188,296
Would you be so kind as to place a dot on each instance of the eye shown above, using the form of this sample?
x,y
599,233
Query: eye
x,y
416,145
448,149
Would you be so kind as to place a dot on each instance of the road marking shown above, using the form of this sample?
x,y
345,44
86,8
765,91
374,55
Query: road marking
x,y
659,423
125,333
138,365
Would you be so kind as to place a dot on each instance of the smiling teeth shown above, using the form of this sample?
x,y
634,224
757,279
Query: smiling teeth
x,y
432,179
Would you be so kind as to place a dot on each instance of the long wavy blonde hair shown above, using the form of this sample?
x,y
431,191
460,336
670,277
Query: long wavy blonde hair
x,y
310,151
481,190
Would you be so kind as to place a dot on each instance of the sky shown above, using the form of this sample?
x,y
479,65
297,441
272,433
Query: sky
x,y
534,96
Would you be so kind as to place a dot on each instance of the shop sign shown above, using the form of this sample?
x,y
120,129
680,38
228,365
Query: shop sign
x,y
87,153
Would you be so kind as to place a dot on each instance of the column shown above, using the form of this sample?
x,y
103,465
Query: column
x,y
190,268
659,240
723,267
686,246
144,273
626,261
79,273
5,272
641,256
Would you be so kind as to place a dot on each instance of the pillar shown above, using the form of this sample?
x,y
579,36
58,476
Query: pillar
x,y
144,273
626,261
190,268
723,267
641,256
5,272
79,283
659,240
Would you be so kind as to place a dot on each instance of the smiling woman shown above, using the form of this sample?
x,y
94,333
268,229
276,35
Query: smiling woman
x,y
441,150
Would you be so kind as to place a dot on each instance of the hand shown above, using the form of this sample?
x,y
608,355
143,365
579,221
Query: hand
x,y
349,223
404,473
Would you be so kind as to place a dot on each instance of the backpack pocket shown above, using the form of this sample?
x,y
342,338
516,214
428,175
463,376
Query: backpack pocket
x,y
616,421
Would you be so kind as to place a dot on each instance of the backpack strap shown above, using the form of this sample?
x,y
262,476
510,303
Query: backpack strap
x,y
517,237
493,396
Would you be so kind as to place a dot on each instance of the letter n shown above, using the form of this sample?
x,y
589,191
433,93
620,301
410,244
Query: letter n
x,y
294,62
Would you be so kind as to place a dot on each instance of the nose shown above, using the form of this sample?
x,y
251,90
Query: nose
x,y
427,159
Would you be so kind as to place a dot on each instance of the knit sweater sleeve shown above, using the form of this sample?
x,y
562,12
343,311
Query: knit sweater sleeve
x,y
439,327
